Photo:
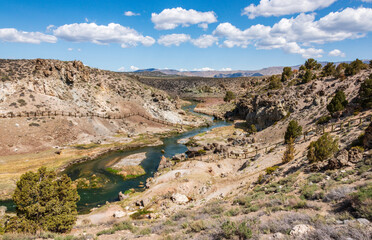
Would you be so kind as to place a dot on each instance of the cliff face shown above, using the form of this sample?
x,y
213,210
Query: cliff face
x,y
71,87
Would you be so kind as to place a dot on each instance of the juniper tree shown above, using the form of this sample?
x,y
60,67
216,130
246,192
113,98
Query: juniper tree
x,y
322,149
338,102
44,202
293,131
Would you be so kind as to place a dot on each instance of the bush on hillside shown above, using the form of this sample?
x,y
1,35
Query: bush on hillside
x,y
275,82
365,93
322,149
44,202
329,70
312,64
340,71
354,67
286,74
229,96
361,202
293,131
338,102
308,76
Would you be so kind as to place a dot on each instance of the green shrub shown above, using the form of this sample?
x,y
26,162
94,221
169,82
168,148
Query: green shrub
x,y
293,131
329,70
312,64
275,82
338,102
307,77
229,96
243,231
362,201
270,170
354,67
252,129
228,229
44,202
340,70
322,149
323,119
197,226
311,192
286,74
231,229
365,93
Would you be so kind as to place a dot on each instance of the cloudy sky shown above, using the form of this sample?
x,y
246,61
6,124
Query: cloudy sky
x,y
123,35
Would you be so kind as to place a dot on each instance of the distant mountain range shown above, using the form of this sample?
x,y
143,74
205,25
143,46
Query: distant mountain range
x,y
221,74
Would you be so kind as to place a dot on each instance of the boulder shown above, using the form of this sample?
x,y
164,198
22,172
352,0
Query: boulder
x,y
300,230
179,198
340,160
355,155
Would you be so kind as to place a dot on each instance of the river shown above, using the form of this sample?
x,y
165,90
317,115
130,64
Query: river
x,y
95,197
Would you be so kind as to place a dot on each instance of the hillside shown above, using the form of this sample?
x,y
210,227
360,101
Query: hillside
x,y
234,184
65,108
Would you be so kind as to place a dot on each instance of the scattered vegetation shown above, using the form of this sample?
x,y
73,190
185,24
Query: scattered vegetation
x,y
322,149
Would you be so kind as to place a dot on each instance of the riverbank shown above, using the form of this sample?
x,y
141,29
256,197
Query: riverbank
x,y
13,166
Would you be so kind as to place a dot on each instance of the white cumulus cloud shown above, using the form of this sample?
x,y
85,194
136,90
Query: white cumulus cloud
x,y
269,8
70,49
226,69
14,35
173,17
336,53
173,39
204,69
121,69
133,68
204,41
102,34
130,14
292,34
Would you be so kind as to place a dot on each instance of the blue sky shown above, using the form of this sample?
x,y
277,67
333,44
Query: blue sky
x,y
186,34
